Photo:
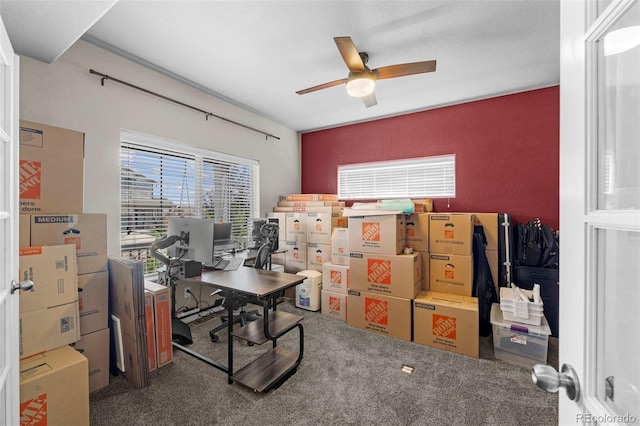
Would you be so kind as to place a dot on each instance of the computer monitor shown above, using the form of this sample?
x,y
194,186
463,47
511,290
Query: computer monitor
x,y
198,233
222,232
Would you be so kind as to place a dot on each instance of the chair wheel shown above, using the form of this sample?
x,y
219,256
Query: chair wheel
x,y
214,337
249,343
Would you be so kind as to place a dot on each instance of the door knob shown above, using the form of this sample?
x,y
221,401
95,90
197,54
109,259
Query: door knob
x,y
25,285
547,378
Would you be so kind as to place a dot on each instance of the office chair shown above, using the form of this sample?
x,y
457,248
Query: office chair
x,y
244,316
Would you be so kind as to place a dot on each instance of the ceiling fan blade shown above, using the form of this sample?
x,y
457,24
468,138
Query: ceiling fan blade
x,y
349,54
322,86
369,100
401,70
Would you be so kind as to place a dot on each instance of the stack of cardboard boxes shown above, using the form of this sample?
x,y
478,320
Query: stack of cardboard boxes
x,y
306,222
424,295
384,280
64,252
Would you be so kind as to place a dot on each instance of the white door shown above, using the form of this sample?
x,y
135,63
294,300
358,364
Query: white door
x,y
9,364
600,210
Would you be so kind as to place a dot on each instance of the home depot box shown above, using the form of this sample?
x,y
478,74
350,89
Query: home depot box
x,y
53,272
334,305
317,254
450,273
162,321
446,321
377,234
335,278
340,246
425,269
417,231
24,231
93,293
309,197
396,275
308,204
49,328
451,233
150,327
296,227
489,222
54,388
51,169
319,226
296,256
95,347
387,315
280,220
88,232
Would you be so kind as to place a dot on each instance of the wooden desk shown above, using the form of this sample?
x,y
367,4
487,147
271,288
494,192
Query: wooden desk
x,y
275,366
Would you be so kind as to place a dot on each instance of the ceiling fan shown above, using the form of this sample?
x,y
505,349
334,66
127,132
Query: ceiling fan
x,y
362,80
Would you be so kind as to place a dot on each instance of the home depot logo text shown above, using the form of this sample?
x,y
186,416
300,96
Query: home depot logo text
x,y
379,271
376,311
444,326
370,231
30,179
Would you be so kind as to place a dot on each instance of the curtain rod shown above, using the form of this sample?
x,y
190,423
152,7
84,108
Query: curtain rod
x,y
166,98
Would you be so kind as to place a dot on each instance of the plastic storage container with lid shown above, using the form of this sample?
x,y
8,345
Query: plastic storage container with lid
x,y
517,343
308,293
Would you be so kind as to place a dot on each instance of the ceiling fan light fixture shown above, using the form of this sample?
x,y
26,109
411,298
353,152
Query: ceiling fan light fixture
x,y
360,85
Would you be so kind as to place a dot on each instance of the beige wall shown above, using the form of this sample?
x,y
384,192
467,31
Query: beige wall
x,y
65,94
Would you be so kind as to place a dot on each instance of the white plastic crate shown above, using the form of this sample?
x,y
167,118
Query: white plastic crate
x,y
524,345
518,310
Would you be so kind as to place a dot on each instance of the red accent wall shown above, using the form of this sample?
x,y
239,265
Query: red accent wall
x,y
507,152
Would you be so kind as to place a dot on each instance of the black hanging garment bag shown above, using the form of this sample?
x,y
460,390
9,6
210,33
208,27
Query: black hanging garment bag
x,y
483,287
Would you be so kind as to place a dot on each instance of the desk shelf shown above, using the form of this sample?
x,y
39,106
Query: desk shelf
x,y
268,370
279,323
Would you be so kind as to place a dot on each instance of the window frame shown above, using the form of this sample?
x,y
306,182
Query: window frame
x,y
202,160
397,189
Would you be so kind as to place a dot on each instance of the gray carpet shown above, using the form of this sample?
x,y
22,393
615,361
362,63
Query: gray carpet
x,y
347,377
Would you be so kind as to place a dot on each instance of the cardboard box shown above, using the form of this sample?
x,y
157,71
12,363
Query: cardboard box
x,y
396,275
340,246
87,232
308,204
386,315
319,227
296,256
489,222
51,169
54,388
53,272
309,197
49,328
451,233
417,231
335,278
93,292
95,347
162,320
447,321
377,234
334,305
450,273
339,221
425,269
296,227
24,239
317,255
150,326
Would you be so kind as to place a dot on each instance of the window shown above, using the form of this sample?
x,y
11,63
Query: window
x,y
159,179
428,177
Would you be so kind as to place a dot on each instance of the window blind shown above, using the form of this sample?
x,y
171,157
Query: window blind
x,y
160,179
428,177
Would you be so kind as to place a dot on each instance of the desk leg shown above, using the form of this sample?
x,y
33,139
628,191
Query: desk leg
x,y
230,342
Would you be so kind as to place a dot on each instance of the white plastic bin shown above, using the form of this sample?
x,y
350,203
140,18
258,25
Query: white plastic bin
x,y
308,295
517,343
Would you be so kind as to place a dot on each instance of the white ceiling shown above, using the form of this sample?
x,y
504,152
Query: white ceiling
x,y
257,54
